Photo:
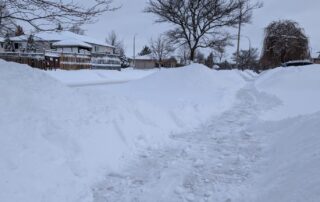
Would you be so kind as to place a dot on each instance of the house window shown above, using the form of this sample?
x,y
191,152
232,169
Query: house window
x,y
16,46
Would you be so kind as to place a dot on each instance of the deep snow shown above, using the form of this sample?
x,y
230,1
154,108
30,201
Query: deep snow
x,y
58,141
188,134
98,77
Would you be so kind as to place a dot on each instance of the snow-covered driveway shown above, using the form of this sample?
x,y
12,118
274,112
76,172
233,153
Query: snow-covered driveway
x,y
211,163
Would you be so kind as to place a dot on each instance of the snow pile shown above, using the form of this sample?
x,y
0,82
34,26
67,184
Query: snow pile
x,y
190,94
57,141
94,77
290,171
296,87
290,167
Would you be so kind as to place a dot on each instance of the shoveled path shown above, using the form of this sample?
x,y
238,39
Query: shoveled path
x,y
211,163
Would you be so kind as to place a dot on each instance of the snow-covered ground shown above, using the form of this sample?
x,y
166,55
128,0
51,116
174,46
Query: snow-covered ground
x,y
98,77
188,134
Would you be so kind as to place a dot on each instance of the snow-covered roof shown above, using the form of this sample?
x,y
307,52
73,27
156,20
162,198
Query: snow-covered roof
x,y
19,38
55,36
144,57
150,57
71,43
1,39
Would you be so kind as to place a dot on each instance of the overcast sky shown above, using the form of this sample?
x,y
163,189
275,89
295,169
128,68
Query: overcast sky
x,y
131,20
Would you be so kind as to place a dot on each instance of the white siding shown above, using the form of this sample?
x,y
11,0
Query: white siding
x,y
101,49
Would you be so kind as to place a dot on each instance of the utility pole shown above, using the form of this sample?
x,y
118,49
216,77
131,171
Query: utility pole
x,y
239,32
134,51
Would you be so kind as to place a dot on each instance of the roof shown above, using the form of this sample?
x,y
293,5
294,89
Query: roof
x,y
2,39
55,36
150,57
144,57
71,43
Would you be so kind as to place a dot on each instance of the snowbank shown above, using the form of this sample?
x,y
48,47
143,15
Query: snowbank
x,y
94,77
190,94
290,169
296,87
57,141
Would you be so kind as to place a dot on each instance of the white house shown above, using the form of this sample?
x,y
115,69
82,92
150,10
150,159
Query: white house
x,y
69,50
72,46
52,39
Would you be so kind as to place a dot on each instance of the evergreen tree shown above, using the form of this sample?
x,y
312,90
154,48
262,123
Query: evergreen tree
x,y
145,51
59,28
8,45
210,60
31,44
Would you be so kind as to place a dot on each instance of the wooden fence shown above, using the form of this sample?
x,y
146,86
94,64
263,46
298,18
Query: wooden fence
x,y
50,60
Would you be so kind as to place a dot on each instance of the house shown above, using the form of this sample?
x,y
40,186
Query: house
x,y
45,40
62,49
148,62
72,46
1,44
316,59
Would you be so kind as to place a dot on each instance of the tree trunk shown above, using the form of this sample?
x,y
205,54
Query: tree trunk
x,y
192,54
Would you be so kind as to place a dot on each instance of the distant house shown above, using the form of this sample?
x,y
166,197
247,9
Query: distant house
x,y
149,62
1,44
317,59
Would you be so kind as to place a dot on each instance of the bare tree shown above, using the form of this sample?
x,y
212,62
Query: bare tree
x,y
284,41
113,39
184,54
160,49
44,14
220,53
6,25
200,23
246,59
199,57
76,28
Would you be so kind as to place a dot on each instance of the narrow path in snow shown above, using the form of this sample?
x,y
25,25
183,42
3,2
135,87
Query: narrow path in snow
x,y
211,163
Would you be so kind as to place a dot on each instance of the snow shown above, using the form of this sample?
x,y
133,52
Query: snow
x,y
188,93
61,36
186,134
95,77
290,170
296,87
144,57
57,141
72,42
